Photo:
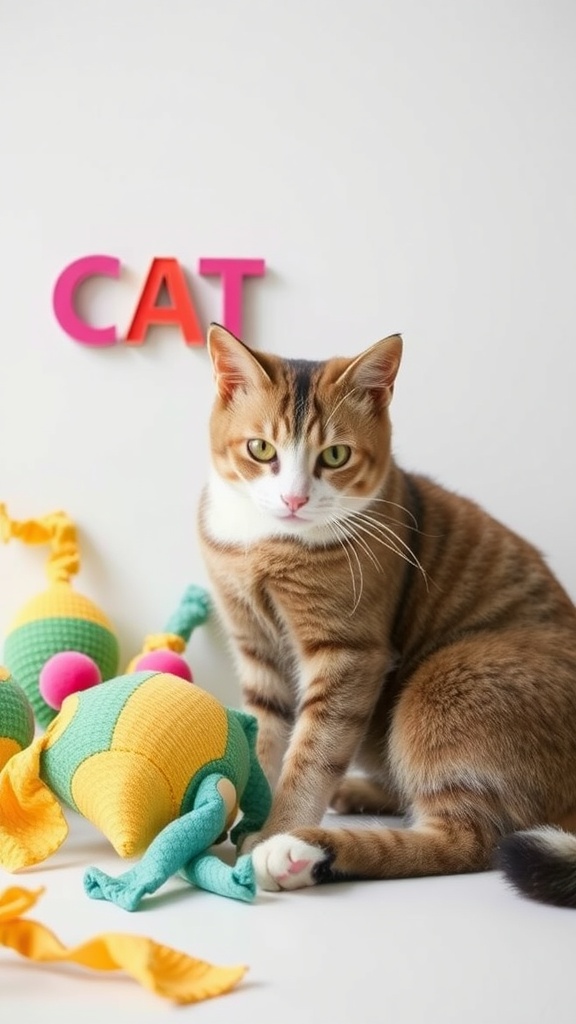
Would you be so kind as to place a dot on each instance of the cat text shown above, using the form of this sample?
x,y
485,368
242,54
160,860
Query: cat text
x,y
166,278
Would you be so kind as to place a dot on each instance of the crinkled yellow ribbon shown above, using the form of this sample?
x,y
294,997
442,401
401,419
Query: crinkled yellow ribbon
x,y
58,530
163,970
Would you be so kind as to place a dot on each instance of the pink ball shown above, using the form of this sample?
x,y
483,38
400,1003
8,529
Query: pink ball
x,y
164,661
66,673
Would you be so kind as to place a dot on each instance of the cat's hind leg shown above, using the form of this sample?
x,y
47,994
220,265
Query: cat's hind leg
x,y
357,794
447,756
481,744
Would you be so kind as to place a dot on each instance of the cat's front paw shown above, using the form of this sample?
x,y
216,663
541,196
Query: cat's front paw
x,y
286,862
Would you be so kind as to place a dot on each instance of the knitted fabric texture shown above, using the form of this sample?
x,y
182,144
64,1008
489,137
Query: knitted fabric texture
x,y
55,621
157,764
58,619
16,718
193,611
128,753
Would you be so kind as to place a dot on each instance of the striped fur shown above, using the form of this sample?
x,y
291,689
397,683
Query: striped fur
x,y
403,651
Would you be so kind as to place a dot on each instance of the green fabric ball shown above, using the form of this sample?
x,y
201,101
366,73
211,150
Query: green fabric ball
x,y
28,647
16,719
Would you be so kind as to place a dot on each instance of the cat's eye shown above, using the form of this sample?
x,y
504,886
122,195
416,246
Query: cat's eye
x,y
261,450
335,456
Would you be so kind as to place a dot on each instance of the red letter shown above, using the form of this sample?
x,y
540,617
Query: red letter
x,y
181,311
233,272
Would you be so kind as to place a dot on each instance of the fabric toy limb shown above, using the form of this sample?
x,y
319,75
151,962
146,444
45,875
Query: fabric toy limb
x,y
178,844
212,874
193,611
164,651
256,800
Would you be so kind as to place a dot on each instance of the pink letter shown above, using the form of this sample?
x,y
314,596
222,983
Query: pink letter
x,y
64,294
233,271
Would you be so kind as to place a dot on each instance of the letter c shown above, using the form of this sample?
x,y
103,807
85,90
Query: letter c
x,y
65,291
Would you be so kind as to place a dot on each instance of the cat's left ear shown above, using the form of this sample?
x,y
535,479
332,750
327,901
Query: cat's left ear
x,y
375,369
235,366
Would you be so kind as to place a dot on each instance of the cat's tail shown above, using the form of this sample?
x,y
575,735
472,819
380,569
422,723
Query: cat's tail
x,y
541,863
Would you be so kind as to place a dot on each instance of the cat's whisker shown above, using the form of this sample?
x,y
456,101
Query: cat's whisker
x,y
361,528
380,526
381,530
405,551
333,526
371,531
408,549
389,519
386,501
352,532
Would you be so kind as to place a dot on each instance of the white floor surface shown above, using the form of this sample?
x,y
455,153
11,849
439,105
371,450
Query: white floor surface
x,y
458,950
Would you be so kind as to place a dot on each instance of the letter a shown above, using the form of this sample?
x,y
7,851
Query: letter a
x,y
165,272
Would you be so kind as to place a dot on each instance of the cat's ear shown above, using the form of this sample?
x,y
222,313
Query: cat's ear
x,y
375,369
235,366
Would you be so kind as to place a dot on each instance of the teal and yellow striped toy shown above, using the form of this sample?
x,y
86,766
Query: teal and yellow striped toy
x,y
59,619
61,642
156,763
16,718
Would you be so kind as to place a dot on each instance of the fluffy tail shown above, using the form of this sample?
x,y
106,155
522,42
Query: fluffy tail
x,y
541,863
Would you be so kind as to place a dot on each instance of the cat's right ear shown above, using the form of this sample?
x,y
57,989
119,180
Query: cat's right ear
x,y
374,370
235,366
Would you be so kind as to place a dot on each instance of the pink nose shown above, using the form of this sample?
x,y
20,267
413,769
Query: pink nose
x,y
294,501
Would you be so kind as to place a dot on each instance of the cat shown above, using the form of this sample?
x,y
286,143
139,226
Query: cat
x,y
403,652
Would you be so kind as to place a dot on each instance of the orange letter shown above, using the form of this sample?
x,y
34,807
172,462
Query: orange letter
x,y
169,273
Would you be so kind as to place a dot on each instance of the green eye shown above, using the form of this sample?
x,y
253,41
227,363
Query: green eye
x,y
261,450
335,456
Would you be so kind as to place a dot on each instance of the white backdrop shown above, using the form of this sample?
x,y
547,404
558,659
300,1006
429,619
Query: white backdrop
x,y
399,164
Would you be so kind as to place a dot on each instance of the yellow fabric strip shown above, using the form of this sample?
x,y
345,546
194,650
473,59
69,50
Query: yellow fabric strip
x,y
32,825
163,642
165,971
56,529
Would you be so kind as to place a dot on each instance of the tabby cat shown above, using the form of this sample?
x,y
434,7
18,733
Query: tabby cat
x,y
404,652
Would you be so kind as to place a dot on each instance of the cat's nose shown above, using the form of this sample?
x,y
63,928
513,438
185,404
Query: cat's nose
x,y
294,501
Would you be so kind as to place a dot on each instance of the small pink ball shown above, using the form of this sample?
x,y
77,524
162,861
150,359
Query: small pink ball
x,y
164,661
66,673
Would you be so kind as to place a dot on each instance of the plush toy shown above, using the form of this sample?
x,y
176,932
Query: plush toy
x,y
160,766
57,621
16,718
61,642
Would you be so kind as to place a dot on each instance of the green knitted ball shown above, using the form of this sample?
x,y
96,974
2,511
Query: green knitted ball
x,y
29,647
16,719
